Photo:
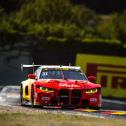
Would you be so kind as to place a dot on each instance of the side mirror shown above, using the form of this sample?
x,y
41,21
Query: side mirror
x,y
92,78
31,76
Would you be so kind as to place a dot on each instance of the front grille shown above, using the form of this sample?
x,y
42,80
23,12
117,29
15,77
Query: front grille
x,y
70,97
76,93
64,96
75,97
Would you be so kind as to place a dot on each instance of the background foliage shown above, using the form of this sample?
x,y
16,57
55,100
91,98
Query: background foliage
x,y
25,24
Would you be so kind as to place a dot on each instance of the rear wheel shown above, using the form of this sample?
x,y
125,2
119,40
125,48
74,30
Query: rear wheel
x,y
21,95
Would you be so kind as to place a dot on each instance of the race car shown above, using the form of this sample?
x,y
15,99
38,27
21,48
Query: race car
x,y
64,86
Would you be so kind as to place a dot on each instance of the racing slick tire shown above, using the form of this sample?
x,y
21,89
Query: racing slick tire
x,y
21,95
95,108
32,95
33,105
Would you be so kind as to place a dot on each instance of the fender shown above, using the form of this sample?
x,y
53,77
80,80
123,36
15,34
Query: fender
x,y
26,86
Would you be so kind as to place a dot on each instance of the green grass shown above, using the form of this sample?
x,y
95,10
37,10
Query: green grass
x,y
48,119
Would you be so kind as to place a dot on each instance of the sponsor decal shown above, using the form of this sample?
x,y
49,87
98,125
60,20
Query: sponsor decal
x,y
93,99
110,72
69,85
45,98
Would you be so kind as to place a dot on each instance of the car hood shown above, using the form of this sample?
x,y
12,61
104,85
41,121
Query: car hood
x,y
70,84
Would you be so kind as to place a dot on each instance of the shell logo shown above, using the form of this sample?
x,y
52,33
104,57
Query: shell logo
x,y
69,85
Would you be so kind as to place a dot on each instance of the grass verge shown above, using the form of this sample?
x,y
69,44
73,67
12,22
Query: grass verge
x,y
49,119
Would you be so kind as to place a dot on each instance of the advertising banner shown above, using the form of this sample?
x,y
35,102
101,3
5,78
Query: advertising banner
x,y
110,72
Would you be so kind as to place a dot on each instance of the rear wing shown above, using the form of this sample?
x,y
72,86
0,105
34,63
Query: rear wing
x,y
33,66
29,66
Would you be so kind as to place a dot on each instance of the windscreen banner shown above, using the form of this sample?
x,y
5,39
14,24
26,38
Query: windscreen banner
x,y
110,72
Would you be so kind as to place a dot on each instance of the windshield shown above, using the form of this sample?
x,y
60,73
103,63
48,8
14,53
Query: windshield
x,y
62,74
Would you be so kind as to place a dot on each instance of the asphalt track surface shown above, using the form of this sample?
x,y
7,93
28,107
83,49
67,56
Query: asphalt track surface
x,y
14,104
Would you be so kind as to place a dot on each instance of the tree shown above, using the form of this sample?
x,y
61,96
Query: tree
x,y
43,19
39,21
11,5
120,27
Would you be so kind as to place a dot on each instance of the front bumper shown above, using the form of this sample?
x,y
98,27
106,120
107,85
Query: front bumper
x,y
68,98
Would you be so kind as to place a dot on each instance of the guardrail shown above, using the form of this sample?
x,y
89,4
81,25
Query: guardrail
x,y
114,104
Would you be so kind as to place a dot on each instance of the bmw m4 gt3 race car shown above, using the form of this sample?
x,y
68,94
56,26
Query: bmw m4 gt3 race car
x,y
64,86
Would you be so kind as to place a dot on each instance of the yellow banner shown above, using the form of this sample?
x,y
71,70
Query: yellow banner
x,y
110,72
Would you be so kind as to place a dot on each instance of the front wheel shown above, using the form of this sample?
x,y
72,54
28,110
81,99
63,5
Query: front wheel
x,y
33,99
95,108
32,95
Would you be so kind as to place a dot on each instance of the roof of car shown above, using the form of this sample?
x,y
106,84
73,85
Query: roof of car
x,y
59,67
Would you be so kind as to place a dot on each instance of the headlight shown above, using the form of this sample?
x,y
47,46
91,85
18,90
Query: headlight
x,y
45,89
91,91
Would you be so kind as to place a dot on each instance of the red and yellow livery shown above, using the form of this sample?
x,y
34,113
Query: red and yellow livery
x,y
65,86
